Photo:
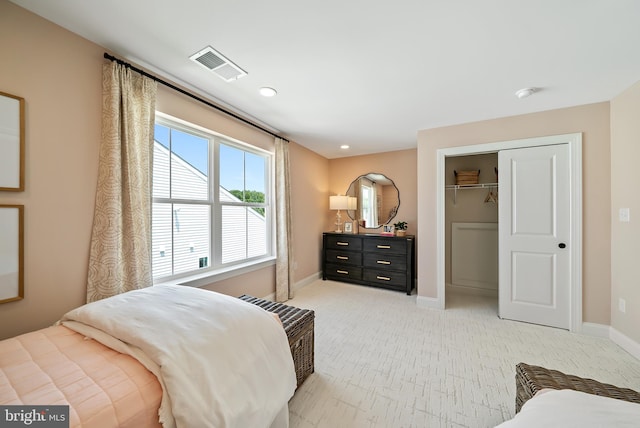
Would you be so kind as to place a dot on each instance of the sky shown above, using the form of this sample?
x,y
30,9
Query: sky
x,y
235,165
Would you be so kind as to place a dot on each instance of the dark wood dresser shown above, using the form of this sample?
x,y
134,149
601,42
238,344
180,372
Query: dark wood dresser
x,y
376,260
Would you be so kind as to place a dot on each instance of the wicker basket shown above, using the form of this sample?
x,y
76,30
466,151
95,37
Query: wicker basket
x,y
531,379
466,177
299,325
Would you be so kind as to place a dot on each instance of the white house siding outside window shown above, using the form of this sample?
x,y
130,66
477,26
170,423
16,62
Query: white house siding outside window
x,y
211,202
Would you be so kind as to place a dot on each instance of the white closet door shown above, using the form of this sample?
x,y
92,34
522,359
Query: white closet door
x,y
534,218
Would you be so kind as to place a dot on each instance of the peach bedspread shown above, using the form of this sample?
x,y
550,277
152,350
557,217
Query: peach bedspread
x,y
56,365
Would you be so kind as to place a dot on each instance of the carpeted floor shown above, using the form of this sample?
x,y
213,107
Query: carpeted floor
x,y
380,361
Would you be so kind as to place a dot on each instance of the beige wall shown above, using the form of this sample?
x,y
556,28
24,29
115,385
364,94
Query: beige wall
x,y
62,87
469,205
400,166
309,202
593,122
625,237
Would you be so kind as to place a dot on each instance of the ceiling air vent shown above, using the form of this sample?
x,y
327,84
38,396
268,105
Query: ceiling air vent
x,y
215,62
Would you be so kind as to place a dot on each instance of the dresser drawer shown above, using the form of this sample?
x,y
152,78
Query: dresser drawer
x,y
385,261
344,257
387,279
351,243
341,272
390,246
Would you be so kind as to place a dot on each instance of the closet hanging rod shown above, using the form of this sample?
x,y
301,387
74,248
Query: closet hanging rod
x,y
456,187
190,95
471,186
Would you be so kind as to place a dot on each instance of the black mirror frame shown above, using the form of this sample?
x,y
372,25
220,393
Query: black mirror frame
x,y
351,213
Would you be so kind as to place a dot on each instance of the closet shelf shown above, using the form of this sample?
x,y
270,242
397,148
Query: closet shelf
x,y
456,187
470,186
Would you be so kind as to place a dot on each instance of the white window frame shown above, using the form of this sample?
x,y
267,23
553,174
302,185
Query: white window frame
x,y
218,271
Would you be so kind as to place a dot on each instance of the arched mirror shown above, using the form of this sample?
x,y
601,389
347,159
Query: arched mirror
x,y
378,200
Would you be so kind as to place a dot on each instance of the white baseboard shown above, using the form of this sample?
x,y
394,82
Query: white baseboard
x,y
438,302
625,342
297,286
596,330
605,331
429,302
306,281
270,297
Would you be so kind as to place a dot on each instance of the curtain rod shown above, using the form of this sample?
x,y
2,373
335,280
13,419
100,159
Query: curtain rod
x,y
189,94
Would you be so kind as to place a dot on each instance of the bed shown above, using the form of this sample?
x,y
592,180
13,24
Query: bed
x,y
162,356
550,398
58,366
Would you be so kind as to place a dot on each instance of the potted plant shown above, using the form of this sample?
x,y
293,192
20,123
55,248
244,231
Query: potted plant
x,y
400,228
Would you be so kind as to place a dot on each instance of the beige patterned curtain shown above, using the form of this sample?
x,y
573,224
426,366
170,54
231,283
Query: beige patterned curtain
x,y
284,260
120,252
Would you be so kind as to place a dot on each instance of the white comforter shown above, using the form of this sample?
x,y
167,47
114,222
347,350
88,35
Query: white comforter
x,y
567,408
222,362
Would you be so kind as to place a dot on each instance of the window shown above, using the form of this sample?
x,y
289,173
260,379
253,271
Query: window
x,y
210,201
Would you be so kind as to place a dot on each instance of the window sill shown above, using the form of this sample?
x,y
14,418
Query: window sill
x,y
210,277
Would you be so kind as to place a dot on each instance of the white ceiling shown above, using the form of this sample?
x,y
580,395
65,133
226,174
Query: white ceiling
x,y
372,73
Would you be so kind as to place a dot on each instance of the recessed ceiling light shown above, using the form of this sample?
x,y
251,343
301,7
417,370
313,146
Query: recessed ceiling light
x,y
344,146
525,92
268,92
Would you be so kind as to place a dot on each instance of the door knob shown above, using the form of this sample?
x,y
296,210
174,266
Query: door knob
x,y
562,245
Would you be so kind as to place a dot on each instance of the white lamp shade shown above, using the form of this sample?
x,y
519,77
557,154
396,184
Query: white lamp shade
x,y
339,202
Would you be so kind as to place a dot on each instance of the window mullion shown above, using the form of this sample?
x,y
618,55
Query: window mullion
x,y
216,227
173,253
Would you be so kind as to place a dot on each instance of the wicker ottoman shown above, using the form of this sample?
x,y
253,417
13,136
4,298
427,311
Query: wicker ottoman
x,y
298,324
531,379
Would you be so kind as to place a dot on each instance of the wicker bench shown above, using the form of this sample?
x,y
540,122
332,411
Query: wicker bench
x,y
298,324
531,379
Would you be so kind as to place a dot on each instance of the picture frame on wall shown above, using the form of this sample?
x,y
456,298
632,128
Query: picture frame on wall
x,y
11,143
348,227
11,253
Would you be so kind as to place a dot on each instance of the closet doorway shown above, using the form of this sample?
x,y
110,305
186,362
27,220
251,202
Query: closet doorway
x,y
471,227
574,241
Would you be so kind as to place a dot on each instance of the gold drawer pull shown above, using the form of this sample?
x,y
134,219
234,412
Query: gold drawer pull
x,y
343,272
384,246
342,243
342,257
383,262
384,278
